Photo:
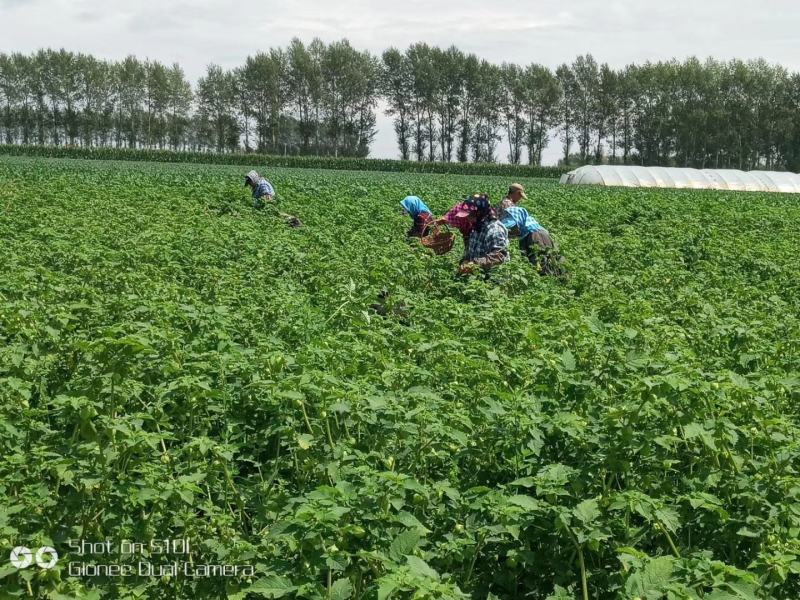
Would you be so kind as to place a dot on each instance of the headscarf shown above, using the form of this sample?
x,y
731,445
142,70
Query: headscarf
x,y
482,207
458,217
252,176
516,216
414,206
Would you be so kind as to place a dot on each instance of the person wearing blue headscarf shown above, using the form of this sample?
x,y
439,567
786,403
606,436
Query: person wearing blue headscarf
x,y
534,240
419,212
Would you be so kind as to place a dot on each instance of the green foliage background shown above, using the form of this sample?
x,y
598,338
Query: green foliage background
x,y
294,162
174,364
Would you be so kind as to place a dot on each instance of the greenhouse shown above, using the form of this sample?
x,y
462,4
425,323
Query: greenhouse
x,y
672,177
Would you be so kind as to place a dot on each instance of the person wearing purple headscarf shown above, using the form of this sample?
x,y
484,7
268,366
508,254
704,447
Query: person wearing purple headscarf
x,y
488,241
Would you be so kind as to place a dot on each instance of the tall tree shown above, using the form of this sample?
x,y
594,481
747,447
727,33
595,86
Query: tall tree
x,y
450,64
542,96
397,88
566,79
216,101
513,105
584,94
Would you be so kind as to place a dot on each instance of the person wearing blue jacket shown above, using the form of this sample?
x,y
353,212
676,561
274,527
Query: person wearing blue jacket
x,y
420,214
262,189
534,240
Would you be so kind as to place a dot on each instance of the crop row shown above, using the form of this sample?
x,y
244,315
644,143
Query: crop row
x,y
298,162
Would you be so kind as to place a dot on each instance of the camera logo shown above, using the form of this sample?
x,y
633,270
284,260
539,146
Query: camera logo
x,y
22,557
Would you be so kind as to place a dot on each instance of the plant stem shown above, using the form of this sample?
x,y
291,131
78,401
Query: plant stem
x,y
305,416
584,582
474,558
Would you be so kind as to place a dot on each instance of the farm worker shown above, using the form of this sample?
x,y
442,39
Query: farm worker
x,y
534,241
488,240
419,212
516,193
261,189
459,217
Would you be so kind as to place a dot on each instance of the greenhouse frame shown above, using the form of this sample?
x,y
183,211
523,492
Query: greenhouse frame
x,y
673,177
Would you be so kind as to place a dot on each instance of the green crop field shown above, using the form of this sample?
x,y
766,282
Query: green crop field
x,y
175,365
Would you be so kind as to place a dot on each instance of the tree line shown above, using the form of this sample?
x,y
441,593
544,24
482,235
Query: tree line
x,y
446,105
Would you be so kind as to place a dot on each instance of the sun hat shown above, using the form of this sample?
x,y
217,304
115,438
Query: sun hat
x,y
517,187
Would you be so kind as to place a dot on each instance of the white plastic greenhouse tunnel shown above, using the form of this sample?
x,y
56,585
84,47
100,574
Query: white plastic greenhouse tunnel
x,y
672,177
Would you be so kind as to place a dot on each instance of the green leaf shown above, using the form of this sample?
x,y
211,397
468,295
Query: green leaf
x,y
305,441
386,586
743,591
404,544
6,570
406,518
272,586
668,517
587,512
526,502
559,593
721,595
421,568
747,532
696,430
341,589
652,578
524,482
568,360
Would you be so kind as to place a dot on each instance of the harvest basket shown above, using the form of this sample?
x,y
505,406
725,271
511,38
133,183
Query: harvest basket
x,y
439,238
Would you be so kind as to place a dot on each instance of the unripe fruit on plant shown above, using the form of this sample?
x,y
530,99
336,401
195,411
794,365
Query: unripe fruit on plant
x,y
358,531
323,414
165,459
715,385
512,562
389,462
459,528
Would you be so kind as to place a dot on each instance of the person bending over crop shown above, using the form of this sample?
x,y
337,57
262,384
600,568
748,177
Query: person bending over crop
x,y
419,212
264,192
459,217
488,240
534,241
262,189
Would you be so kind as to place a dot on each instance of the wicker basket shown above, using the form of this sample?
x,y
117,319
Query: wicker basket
x,y
439,238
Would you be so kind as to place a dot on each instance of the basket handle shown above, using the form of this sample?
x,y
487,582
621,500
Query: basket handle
x,y
435,226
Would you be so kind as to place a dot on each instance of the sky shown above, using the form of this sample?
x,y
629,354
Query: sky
x,y
548,32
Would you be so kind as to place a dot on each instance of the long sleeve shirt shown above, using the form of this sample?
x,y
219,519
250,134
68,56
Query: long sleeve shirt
x,y
516,217
264,188
488,244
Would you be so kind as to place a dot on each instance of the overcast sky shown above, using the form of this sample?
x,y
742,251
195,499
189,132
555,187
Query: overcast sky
x,y
547,32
